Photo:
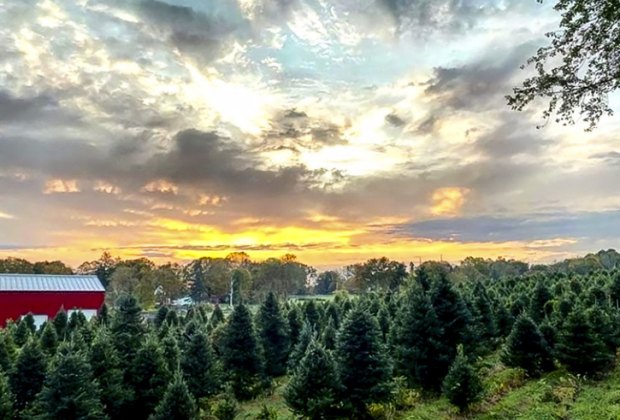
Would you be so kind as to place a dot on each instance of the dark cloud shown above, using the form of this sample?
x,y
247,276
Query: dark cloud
x,y
395,120
526,228
612,157
12,108
293,129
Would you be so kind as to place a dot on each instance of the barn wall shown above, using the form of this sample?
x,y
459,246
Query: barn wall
x,y
13,305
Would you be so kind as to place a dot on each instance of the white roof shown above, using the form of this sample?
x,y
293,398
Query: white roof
x,y
49,283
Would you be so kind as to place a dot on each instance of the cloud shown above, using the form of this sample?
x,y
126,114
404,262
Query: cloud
x,y
448,201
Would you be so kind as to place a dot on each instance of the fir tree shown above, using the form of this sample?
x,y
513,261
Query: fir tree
x,y
69,392
60,323
160,316
241,354
452,313
363,366
177,403
6,398
614,289
579,348
332,312
526,348
6,353
314,388
311,314
383,317
217,317
328,338
105,366
49,339
462,385
127,329
483,313
27,377
200,367
148,378
295,324
540,297
172,318
21,333
29,321
302,344
172,352
104,315
274,336
417,342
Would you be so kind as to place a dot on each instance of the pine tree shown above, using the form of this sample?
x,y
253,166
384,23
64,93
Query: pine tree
x,y
540,296
328,338
383,317
127,329
106,370
27,377
60,323
172,318
311,314
160,316
526,348
241,354
302,344
614,289
295,324
200,367
29,321
452,313
483,313
69,392
314,388
172,352
49,339
76,321
6,398
21,333
274,336
462,385
6,353
416,339
363,365
148,378
217,317
579,348
177,403
333,312
104,315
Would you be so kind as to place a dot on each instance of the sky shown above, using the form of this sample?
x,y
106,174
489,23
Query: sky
x,y
334,130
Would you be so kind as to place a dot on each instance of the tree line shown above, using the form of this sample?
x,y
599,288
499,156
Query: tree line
x,y
353,356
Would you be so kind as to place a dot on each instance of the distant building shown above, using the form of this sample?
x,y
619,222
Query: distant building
x,y
43,295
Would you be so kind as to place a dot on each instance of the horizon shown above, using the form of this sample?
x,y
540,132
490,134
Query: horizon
x,y
336,131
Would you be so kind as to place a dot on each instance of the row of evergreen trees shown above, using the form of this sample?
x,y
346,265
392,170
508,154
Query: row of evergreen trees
x,y
340,356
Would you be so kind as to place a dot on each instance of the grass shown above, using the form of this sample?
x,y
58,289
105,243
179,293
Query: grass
x,y
509,395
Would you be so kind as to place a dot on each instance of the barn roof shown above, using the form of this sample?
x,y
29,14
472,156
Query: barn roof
x,y
49,283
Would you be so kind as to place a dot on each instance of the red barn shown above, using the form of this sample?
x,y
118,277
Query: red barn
x,y
43,295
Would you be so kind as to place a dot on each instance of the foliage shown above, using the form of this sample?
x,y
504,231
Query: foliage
x,y
527,348
462,385
580,67
177,403
274,335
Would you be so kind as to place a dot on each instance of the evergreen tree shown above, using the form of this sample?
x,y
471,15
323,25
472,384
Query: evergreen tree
x,y
383,317
127,329
200,367
363,366
69,392
105,366
526,348
177,403
172,352
29,321
579,348
452,313
21,333
332,312
6,398
76,321
217,317
614,289
302,344
274,336
60,323
462,385
241,354
49,339
6,353
311,314
172,318
540,297
160,316
483,313
148,378
295,324
313,389
416,339
104,315
328,338
27,377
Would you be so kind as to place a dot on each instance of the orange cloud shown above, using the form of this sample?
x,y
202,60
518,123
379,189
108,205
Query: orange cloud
x,y
448,201
55,186
162,186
